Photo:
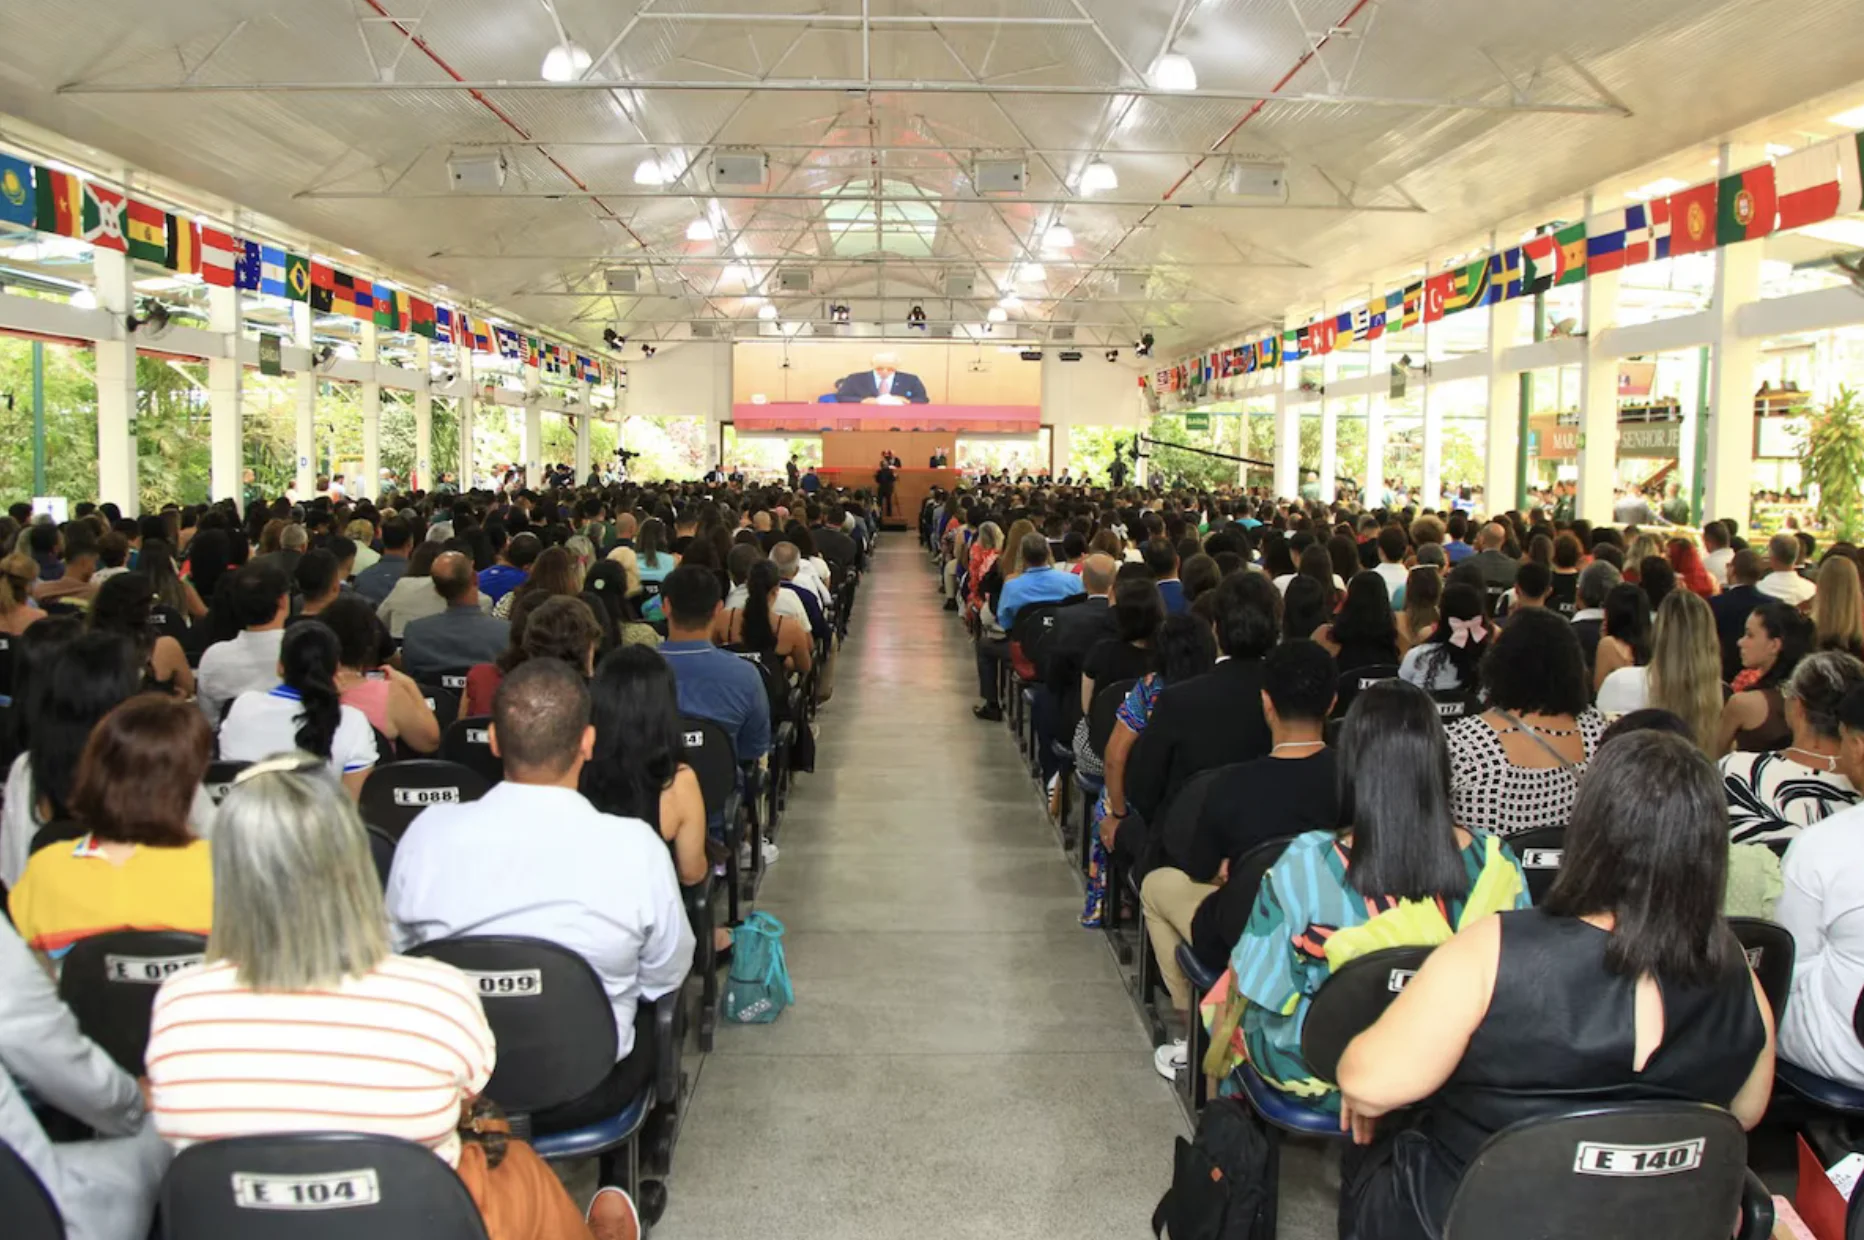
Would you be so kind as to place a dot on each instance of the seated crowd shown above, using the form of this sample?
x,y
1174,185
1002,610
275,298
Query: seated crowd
x,y
1307,733
284,657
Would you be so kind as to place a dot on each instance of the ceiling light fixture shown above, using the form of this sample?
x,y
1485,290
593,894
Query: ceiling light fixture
x,y
1058,237
701,230
1031,273
735,273
768,312
565,63
1099,176
649,172
1011,302
997,314
1662,187
1173,71
1852,118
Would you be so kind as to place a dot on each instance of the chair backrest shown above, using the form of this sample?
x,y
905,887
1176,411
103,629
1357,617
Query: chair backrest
x,y
1104,713
468,741
552,1019
1034,621
219,778
1634,1171
1349,1001
1252,865
1177,820
714,761
29,1210
382,852
109,983
1454,704
1770,953
393,795
444,702
453,680
312,1186
1540,852
1350,683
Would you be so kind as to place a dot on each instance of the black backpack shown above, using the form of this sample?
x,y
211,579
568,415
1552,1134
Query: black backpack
x,y
1220,1187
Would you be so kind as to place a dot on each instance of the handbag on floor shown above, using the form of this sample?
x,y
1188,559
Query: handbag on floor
x,y
1221,1184
758,988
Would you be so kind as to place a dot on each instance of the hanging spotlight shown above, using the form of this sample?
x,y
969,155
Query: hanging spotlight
x,y
767,312
564,63
1113,355
1144,347
1174,71
735,273
1099,176
839,313
1058,237
997,314
1011,302
647,350
1031,273
613,339
701,230
649,172
916,318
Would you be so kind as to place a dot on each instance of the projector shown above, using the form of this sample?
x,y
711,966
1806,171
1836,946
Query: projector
x,y
476,173
744,170
998,176
1258,181
621,280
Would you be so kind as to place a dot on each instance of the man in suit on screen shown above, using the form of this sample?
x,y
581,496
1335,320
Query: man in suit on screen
x,y
885,384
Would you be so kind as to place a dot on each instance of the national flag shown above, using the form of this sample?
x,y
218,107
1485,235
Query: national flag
x,y
1322,335
16,201
1606,234
1747,207
1346,327
1413,299
145,231
1659,231
1692,218
343,294
1377,311
1505,274
1806,182
183,253
1543,261
422,320
219,252
1570,243
323,288
247,265
1269,353
297,277
1303,343
58,202
1470,287
588,368
387,313
103,218
481,336
509,346
1225,365
1438,290
272,272
364,309
443,324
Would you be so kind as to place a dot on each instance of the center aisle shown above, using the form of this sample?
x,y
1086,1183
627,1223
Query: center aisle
x,y
962,1060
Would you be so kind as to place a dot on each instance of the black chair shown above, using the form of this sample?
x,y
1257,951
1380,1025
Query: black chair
x,y
1101,716
1770,953
1631,1171
29,1210
445,704
1454,704
555,1030
1540,852
452,680
109,983
714,761
1823,1092
1350,683
394,795
312,1186
220,777
382,852
468,742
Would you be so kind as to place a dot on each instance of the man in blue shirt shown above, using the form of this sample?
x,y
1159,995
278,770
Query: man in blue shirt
x,y
513,566
711,683
1039,582
1162,558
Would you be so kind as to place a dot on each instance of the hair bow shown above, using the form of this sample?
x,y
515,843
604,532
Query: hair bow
x,y
1462,632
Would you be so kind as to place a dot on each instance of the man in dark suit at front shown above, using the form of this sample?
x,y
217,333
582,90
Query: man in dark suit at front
x,y
886,383
1732,606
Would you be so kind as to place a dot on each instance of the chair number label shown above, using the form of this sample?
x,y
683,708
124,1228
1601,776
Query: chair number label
x,y
426,796
340,1190
478,736
1753,956
1593,1158
452,682
1399,979
1541,858
694,740
152,970
217,792
524,982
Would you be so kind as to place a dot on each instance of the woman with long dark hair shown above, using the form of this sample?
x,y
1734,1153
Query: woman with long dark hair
x,y
607,587
1625,984
1624,634
1754,720
304,712
1450,658
125,605
756,627
395,706
1364,633
638,769
1399,871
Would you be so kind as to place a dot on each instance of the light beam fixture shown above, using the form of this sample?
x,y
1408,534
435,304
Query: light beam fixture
x,y
564,63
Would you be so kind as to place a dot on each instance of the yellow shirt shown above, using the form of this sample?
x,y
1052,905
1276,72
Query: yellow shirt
x,y
70,891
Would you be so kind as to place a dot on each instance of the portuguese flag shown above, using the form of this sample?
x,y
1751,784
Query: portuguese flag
x,y
1746,212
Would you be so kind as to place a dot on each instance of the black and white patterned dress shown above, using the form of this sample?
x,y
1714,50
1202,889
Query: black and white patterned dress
x,y
1490,793
1772,797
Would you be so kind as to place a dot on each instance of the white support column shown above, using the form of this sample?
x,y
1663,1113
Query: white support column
x,y
1431,492
533,426
1061,446
423,416
1288,434
1598,399
1329,430
584,417
117,478
468,408
306,384
1499,483
1373,489
1728,472
225,376
370,483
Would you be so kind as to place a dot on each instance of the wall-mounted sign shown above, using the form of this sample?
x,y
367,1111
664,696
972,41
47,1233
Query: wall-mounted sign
x,y
271,354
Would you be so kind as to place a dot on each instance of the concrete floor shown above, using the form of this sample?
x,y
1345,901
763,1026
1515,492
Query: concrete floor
x,y
962,1060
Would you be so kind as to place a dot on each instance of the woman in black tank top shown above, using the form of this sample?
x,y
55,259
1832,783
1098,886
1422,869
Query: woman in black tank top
x,y
1625,985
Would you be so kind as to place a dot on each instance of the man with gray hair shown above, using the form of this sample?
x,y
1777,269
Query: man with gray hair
x,y
885,384
789,562
1595,582
1782,581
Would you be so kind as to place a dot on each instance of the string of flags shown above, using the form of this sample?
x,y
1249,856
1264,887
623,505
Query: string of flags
x,y
65,204
1800,188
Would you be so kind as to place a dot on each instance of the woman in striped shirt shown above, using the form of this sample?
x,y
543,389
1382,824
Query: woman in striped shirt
x,y
301,1020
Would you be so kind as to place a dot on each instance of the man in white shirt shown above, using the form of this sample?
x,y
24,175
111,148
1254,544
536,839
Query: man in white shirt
x,y
533,858
261,604
1716,543
1392,548
1781,581
742,557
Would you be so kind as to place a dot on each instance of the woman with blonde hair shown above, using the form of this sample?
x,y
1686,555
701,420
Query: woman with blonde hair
x,y
1684,674
984,552
17,610
1838,607
354,1037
